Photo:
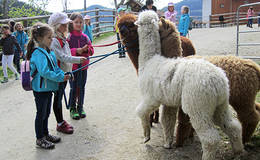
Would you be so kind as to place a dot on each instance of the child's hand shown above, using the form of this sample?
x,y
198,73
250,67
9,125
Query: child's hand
x,y
85,48
21,54
66,77
83,59
80,50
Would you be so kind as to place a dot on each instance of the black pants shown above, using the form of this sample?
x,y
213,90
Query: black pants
x,y
43,106
57,103
17,61
120,45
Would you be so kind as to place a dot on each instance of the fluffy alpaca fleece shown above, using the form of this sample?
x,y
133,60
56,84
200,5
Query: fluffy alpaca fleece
x,y
244,80
169,36
168,81
239,73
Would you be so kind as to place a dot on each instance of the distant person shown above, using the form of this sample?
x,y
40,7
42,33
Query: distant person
x,y
120,13
8,42
43,65
258,19
22,39
11,24
88,28
250,14
149,6
184,22
171,14
60,21
80,45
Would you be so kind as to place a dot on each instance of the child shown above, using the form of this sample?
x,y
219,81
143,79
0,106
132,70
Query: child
x,y
46,75
259,19
121,12
80,45
149,6
184,22
171,13
22,39
59,22
8,42
250,14
88,28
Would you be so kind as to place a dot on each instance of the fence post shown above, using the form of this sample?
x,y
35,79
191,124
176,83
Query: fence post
x,y
97,20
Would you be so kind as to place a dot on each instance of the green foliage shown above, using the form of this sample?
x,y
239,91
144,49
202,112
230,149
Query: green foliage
x,y
103,36
30,9
9,72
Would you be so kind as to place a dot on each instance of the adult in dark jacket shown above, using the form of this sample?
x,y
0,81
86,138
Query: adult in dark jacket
x,y
149,6
8,42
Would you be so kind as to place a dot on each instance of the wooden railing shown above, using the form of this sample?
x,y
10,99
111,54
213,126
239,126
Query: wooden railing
x,y
100,26
229,19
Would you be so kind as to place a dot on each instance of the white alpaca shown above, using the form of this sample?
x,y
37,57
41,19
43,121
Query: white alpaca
x,y
199,86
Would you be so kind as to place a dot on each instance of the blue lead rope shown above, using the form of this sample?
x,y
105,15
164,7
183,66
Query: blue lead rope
x,y
103,56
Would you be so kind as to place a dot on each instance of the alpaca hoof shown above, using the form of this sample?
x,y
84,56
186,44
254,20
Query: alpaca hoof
x,y
146,139
167,146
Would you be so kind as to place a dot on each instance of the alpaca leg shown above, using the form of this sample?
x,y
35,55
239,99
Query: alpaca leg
x,y
202,122
168,120
184,129
230,126
143,111
156,116
249,118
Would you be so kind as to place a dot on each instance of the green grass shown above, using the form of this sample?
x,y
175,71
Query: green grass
x,y
103,36
10,73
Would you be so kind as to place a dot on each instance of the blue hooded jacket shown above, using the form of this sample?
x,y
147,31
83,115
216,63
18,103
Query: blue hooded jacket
x,y
184,24
88,31
49,74
22,39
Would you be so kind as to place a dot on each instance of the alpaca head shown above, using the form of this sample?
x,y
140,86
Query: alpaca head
x,y
147,20
128,30
166,28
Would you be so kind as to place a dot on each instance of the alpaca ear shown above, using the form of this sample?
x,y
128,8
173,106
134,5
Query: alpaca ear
x,y
163,23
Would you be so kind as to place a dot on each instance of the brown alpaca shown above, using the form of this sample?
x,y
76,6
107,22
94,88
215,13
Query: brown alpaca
x,y
129,37
243,75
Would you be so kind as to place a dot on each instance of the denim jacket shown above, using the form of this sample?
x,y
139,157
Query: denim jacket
x,y
22,39
48,73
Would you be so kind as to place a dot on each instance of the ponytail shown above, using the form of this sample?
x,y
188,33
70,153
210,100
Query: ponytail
x,y
30,49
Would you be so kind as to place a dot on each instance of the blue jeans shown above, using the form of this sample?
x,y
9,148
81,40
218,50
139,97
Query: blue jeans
x,y
17,60
77,89
43,106
120,45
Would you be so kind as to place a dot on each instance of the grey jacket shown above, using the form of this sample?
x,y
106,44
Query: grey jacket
x,y
63,55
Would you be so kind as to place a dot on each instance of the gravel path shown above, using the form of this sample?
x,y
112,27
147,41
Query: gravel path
x,y
111,130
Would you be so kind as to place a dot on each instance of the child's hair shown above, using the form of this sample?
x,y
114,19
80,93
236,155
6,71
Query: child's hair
x,y
74,16
149,2
185,9
38,30
18,23
5,27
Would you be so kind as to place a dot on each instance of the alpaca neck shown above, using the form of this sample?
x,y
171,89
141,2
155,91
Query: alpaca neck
x,y
150,45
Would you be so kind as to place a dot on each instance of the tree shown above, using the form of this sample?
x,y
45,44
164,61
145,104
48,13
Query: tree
x,y
117,5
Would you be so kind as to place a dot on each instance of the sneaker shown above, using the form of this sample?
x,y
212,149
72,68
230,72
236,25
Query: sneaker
x,y
5,80
82,113
65,128
16,76
74,114
53,139
43,143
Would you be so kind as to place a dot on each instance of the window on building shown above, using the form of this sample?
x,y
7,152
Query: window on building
x,y
221,5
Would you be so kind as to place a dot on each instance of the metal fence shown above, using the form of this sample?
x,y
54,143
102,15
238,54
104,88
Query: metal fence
x,y
238,20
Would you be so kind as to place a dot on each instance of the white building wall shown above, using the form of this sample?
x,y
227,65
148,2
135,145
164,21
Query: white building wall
x,y
206,11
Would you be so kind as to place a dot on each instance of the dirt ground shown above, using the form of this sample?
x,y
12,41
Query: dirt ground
x,y
111,131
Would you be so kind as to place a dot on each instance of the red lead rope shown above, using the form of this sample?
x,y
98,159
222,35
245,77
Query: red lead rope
x,y
105,45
